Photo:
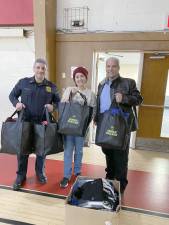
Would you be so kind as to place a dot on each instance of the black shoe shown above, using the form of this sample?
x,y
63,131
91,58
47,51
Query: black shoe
x,y
42,178
64,182
18,183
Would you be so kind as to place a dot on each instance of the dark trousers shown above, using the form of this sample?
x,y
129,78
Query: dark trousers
x,y
117,165
23,165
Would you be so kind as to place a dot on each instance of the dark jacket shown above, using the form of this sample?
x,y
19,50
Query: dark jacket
x,y
34,96
131,98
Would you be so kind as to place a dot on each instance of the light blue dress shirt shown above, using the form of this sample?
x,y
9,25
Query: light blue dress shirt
x,y
105,99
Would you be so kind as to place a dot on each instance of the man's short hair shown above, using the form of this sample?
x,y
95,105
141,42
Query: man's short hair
x,y
40,60
114,59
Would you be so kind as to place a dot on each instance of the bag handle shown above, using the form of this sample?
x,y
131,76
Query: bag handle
x,y
46,113
13,114
135,112
82,95
135,115
120,109
20,115
116,104
70,96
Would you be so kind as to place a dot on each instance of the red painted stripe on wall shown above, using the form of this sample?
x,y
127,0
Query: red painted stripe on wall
x,y
16,12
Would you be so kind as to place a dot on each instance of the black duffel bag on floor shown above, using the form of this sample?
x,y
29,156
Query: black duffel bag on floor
x,y
112,131
47,140
16,135
74,118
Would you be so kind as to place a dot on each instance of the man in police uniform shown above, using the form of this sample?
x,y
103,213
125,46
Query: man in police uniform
x,y
36,93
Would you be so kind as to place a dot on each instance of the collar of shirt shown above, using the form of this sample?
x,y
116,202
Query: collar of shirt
x,y
32,80
109,81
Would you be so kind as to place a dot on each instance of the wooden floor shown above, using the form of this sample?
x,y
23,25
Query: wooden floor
x,y
35,209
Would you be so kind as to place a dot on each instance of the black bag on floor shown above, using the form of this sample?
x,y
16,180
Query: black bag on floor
x,y
47,140
74,118
16,135
112,131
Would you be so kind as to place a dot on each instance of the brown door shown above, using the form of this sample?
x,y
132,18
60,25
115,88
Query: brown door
x,y
153,89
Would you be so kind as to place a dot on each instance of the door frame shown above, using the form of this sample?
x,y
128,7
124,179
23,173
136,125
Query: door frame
x,y
94,84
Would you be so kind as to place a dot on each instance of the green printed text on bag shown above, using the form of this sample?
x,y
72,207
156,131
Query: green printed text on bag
x,y
73,120
112,131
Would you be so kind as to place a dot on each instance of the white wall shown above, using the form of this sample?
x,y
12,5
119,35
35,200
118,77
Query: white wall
x,y
16,56
129,64
120,15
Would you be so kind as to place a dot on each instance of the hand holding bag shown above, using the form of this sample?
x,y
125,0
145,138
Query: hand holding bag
x,y
74,118
47,140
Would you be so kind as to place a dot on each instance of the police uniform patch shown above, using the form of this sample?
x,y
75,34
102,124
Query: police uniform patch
x,y
48,89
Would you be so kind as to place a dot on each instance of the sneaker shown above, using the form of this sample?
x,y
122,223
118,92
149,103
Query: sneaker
x,y
77,174
18,183
64,182
42,178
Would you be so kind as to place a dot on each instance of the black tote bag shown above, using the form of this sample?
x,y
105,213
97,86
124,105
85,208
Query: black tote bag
x,y
47,140
74,118
16,135
112,131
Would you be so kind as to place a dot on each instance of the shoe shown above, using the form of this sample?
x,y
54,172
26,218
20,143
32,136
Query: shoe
x,y
42,178
77,174
18,183
64,182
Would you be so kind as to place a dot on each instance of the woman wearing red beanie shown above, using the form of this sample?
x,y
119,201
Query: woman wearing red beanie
x,y
75,143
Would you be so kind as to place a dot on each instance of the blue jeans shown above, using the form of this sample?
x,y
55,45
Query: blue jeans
x,y
71,143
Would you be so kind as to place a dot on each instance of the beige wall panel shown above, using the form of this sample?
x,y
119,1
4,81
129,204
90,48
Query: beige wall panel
x,y
78,49
69,55
45,33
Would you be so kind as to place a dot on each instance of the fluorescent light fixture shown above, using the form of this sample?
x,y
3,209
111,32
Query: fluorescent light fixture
x,y
157,57
11,32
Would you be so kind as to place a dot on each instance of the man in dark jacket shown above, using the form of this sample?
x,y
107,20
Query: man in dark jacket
x,y
36,93
124,92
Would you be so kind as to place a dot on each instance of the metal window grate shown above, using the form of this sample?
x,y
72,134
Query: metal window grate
x,y
75,19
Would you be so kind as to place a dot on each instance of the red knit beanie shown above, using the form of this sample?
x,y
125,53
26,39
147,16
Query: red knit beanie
x,y
82,70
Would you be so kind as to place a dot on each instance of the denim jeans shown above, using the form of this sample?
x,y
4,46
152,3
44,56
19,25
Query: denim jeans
x,y
73,143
